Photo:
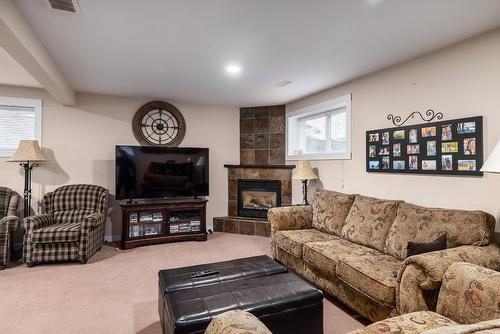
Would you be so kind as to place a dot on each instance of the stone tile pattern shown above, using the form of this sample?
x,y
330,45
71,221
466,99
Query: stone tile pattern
x,y
242,225
262,135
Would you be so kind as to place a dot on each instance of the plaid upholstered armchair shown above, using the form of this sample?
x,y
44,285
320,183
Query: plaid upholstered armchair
x,y
8,222
72,227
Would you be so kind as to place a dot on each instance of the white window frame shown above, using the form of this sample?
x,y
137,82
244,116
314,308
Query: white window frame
x,y
294,118
36,104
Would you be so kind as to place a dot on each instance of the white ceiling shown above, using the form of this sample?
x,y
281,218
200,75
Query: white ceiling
x,y
177,49
12,74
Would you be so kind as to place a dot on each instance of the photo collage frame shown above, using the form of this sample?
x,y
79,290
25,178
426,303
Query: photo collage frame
x,y
453,147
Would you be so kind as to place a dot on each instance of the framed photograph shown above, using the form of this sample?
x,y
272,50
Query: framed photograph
x,y
396,150
413,149
469,146
413,162
446,133
374,137
373,151
385,138
466,127
447,162
398,135
374,164
429,131
413,136
384,150
450,147
385,162
429,165
431,148
467,165
398,164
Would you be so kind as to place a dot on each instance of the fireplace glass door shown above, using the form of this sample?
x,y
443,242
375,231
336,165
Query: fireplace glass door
x,y
255,197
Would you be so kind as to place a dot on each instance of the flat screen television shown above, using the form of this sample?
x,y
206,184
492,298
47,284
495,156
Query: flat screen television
x,y
159,172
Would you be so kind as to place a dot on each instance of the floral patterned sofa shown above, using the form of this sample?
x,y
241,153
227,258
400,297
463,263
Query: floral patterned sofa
x,y
468,302
355,248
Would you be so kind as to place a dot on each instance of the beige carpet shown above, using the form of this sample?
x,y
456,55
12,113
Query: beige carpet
x,y
116,291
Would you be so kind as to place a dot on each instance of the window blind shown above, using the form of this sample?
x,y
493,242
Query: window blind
x,y
16,123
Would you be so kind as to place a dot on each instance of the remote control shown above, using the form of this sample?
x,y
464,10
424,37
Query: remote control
x,y
204,273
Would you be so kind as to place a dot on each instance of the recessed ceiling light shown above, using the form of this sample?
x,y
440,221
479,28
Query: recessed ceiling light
x,y
283,83
233,69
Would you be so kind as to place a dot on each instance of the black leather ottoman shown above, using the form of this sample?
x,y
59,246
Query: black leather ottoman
x,y
282,300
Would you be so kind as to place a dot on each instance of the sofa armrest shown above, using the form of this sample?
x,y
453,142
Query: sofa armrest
x,y
32,223
290,218
421,274
9,223
469,293
93,220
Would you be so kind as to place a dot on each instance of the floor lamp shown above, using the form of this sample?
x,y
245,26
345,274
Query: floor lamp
x,y
492,164
28,154
304,172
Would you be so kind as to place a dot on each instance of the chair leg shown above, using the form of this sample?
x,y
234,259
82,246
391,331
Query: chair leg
x,y
30,265
83,261
2,267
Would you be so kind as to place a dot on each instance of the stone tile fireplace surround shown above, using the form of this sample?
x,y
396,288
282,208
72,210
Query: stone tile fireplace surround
x,y
261,180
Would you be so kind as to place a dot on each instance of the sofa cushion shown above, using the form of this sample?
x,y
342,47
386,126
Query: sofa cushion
x,y
323,255
420,224
369,221
293,240
330,210
373,275
79,196
409,323
469,293
57,233
70,216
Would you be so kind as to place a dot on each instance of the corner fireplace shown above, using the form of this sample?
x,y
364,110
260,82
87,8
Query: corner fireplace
x,y
255,197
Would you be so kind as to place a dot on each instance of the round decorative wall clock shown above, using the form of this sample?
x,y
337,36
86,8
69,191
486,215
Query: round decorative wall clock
x,y
159,123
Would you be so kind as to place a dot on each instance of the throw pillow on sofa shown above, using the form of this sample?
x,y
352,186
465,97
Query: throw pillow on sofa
x,y
415,248
330,210
369,221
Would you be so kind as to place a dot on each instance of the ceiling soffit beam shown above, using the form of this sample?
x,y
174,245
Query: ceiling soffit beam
x,y
17,38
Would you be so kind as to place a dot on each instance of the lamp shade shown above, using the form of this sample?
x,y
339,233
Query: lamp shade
x,y
28,150
492,164
304,171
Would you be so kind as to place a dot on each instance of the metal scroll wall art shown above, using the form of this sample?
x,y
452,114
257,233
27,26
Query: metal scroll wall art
x,y
452,147
430,115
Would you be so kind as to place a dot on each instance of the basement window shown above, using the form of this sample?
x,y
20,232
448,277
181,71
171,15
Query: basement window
x,y
19,119
321,131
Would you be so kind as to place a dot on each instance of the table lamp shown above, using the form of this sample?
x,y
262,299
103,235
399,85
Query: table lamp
x,y
28,153
492,164
303,171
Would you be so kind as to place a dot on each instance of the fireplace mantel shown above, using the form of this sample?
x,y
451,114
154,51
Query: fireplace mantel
x,y
261,166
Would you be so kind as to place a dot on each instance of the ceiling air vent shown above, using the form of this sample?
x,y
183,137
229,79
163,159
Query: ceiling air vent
x,y
283,83
67,6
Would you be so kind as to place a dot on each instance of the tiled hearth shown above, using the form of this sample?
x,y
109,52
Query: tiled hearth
x,y
262,180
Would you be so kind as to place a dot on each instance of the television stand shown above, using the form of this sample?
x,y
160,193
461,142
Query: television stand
x,y
161,221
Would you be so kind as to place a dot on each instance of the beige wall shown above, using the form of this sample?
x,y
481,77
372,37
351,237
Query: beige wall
x,y
80,142
459,81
